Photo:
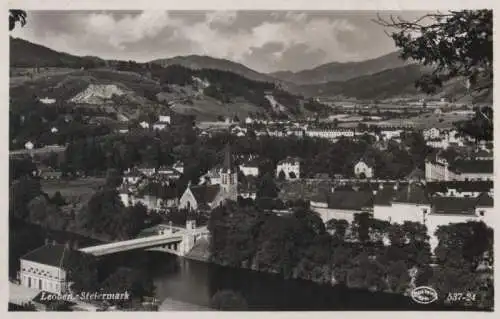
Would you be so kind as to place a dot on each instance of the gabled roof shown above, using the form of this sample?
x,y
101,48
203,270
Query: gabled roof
x,y
454,205
290,160
53,255
472,166
205,194
459,186
484,200
350,200
412,194
367,160
384,196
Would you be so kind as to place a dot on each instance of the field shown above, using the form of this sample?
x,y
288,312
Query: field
x,y
73,190
20,76
422,121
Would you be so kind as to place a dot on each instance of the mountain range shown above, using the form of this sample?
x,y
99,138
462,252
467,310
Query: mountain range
x,y
385,77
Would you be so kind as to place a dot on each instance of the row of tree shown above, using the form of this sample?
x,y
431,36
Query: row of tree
x,y
366,253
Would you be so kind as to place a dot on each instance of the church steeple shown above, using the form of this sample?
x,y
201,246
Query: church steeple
x,y
228,159
229,176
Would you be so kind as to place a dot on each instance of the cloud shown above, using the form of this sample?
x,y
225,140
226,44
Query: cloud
x,y
264,40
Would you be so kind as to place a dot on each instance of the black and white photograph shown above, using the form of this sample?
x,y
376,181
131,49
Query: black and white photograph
x,y
250,160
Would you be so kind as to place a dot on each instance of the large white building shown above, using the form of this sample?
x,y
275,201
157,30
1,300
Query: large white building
x,y
329,133
44,269
440,169
290,166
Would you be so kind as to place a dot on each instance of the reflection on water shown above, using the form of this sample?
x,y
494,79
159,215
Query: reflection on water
x,y
196,282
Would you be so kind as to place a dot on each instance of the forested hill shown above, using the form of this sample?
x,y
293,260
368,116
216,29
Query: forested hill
x,y
207,93
25,54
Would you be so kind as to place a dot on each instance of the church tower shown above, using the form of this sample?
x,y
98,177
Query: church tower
x,y
229,176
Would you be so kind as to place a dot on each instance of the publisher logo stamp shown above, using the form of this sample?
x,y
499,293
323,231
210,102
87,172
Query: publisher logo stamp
x,y
424,295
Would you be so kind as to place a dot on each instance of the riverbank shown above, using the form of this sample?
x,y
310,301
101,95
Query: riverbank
x,y
169,304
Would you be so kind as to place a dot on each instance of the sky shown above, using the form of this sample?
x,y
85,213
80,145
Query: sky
x,y
266,41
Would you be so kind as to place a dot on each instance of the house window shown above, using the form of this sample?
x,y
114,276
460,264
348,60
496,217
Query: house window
x,y
481,213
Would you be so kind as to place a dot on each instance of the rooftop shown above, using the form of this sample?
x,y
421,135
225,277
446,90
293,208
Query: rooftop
x,y
472,166
454,205
205,194
53,255
412,194
350,200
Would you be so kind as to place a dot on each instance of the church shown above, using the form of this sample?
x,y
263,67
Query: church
x,y
208,196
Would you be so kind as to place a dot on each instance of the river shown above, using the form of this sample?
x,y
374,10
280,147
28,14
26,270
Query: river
x,y
194,283
184,283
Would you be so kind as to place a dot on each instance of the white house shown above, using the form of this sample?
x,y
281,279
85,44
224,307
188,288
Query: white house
x,y
29,145
132,176
44,269
364,169
144,124
431,133
54,130
159,126
179,166
248,120
290,167
164,119
388,134
250,168
409,203
47,100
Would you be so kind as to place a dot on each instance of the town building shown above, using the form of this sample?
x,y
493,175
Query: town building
x,y
45,269
329,133
431,133
250,168
342,204
164,119
160,126
409,203
290,167
208,196
364,168
179,166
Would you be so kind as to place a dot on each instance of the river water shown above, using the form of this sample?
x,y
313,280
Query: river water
x,y
192,284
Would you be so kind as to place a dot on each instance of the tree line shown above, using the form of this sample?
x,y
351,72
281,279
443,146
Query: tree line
x,y
366,253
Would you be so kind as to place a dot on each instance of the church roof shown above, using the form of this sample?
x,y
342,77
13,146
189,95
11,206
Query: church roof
x,y
205,194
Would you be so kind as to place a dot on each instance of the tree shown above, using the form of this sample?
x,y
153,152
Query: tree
x,y
16,16
113,178
454,44
82,271
135,282
58,199
338,227
267,187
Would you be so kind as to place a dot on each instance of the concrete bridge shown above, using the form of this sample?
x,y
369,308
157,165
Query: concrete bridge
x,y
165,238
